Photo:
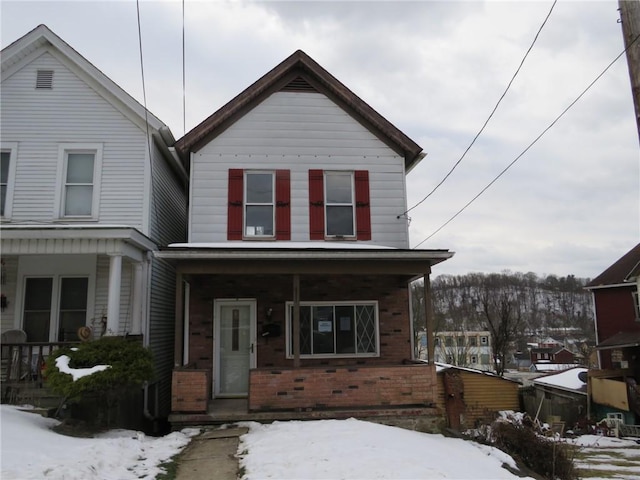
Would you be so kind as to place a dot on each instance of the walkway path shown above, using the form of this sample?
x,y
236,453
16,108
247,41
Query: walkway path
x,y
211,456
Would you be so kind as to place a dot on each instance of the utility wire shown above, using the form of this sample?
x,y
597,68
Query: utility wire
x,y
532,143
184,109
146,113
535,39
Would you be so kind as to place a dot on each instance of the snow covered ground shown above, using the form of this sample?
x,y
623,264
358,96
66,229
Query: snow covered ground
x,y
324,449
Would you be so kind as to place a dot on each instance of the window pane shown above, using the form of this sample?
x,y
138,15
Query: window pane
x,y
323,327
70,322
338,188
340,221
260,188
78,200
80,167
37,309
345,330
4,167
366,325
305,330
3,196
259,220
74,293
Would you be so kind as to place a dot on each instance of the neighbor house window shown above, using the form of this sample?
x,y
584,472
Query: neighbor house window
x,y
335,329
54,308
636,304
259,204
81,168
5,162
7,176
473,341
448,341
484,340
474,359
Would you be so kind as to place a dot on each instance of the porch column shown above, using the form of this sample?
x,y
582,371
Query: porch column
x,y
296,321
113,304
136,314
429,318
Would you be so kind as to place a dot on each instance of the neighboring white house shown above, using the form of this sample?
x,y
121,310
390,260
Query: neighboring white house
x,y
463,348
90,188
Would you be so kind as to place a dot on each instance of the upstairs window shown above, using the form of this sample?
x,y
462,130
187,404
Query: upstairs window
x,y
259,205
339,205
5,162
636,304
80,172
7,176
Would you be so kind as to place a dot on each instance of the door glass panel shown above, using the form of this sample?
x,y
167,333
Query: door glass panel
x,y
73,308
37,309
235,349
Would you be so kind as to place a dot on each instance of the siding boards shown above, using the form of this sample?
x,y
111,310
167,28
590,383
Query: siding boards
x,y
162,328
297,132
42,119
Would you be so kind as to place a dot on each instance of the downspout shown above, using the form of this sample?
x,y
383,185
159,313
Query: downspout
x,y
147,321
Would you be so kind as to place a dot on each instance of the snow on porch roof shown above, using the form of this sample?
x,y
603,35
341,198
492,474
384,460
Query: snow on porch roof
x,y
304,251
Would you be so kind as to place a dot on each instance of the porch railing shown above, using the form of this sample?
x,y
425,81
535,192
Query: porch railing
x,y
24,362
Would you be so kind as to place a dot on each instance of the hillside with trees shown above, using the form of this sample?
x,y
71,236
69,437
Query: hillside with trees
x,y
515,308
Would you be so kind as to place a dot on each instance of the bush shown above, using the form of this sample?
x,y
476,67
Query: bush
x,y
547,457
130,365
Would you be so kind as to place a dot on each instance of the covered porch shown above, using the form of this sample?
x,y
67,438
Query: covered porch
x,y
328,330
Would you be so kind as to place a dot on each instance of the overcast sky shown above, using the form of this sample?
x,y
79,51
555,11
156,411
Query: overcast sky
x,y
570,205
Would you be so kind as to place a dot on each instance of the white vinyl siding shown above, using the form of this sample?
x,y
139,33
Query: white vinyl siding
x,y
102,296
297,131
40,120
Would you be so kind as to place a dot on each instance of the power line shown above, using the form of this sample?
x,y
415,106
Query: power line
x,y
490,115
531,144
184,109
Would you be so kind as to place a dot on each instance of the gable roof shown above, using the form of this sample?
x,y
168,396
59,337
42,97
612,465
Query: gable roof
x,y
623,271
299,72
22,50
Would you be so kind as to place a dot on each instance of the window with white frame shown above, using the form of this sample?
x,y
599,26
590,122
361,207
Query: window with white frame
x,y
54,308
259,202
7,174
5,162
484,340
474,359
80,171
344,329
339,204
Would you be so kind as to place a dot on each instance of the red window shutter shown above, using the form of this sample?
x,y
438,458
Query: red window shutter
x,y
234,209
316,204
283,205
363,209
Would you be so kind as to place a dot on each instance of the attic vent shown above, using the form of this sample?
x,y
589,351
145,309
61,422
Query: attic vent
x,y
44,79
298,84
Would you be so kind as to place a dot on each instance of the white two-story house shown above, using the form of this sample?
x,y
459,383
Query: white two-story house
x,y
90,188
293,286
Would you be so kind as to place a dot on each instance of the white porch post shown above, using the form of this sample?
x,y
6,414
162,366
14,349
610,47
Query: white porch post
x,y
136,314
113,305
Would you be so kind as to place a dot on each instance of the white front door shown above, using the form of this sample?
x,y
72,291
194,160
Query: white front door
x,y
235,342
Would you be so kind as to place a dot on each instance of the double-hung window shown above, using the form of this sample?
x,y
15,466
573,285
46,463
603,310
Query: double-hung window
x,y
7,174
54,308
80,172
339,204
339,329
259,204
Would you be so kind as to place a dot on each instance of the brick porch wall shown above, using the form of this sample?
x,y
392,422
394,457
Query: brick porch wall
x,y
342,387
190,390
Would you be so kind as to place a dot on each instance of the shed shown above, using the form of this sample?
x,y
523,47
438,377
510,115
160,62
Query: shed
x,y
470,397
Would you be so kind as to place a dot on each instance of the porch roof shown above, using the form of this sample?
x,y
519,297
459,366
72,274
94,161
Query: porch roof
x,y
307,257
75,239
